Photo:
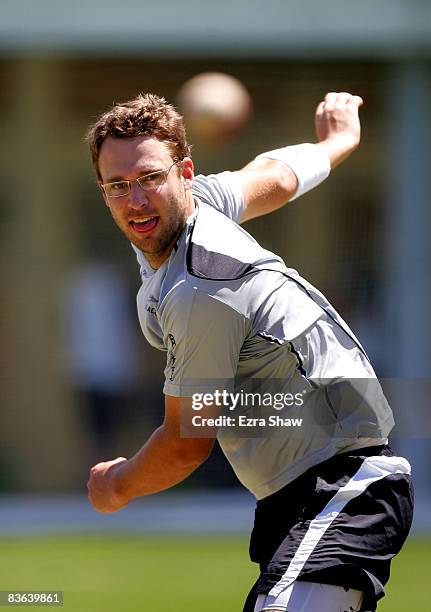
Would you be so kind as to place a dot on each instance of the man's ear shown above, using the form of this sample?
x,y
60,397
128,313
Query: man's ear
x,y
187,172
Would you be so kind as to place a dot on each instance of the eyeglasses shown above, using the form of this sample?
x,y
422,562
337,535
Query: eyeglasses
x,y
148,182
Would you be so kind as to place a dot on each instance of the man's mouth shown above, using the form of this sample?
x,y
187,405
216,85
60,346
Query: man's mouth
x,y
144,225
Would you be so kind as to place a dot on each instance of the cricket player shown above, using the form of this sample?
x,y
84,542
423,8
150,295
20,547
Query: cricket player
x,y
334,504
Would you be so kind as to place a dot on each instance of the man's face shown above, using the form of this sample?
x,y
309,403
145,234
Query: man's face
x,y
151,220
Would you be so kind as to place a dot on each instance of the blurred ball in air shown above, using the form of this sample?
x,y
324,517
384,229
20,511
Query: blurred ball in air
x,y
216,107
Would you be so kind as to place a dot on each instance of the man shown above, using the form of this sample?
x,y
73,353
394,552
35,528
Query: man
x,y
334,504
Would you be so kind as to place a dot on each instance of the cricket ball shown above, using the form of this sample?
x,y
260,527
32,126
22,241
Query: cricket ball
x,y
216,107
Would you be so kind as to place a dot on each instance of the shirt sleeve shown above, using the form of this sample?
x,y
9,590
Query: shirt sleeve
x,y
204,337
221,191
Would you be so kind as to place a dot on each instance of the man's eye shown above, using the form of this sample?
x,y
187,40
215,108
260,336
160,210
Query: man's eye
x,y
153,180
149,178
118,186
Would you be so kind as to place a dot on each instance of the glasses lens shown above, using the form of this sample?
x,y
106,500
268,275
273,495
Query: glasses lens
x,y
115,190
152,181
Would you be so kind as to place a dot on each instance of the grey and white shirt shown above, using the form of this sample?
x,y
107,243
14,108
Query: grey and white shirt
x,y
232,316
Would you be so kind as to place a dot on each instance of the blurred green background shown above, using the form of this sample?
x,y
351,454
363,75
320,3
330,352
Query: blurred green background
x,y
176,573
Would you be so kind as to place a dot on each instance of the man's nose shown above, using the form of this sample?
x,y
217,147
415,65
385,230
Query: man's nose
x,y
137,197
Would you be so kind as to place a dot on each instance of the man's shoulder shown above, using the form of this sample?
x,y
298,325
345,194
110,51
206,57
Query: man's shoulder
x,y
220,191
219,249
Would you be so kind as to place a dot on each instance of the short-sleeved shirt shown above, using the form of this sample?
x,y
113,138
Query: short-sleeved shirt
x,y
232,316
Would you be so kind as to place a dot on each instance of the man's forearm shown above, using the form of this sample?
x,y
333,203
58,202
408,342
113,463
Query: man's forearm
x,y
337,150
164,460
279,176
160,464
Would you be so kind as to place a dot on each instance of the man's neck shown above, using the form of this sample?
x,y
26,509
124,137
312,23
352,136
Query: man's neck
x,y
156,260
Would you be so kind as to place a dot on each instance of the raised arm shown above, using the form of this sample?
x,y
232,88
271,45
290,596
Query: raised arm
x,y
276,177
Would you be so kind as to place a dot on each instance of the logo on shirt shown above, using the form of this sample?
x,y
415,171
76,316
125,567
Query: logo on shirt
x,y
151,309
171,356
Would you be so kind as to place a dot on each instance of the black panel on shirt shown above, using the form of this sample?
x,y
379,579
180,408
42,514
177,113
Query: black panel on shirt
x,y
214,266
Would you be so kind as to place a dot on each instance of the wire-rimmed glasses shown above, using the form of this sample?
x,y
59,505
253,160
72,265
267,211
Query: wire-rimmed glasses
x,y
148,182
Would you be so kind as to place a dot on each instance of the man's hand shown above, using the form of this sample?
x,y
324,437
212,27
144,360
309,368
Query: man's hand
x,y
165,460
268,184
102,492
338,128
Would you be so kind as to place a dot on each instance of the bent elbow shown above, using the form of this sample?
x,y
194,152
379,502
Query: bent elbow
x,y
192,452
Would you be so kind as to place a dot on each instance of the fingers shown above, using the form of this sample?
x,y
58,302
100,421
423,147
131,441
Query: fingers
x,y
330,100
357,100
320,107
337,118
335,100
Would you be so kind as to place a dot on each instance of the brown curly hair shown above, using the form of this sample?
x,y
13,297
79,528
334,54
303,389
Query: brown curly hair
x,y
145,115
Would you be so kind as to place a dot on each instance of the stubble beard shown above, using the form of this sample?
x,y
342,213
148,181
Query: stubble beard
x,y
157,249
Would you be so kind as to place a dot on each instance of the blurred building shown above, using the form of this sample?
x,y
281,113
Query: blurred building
x,y
101,356
362,237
